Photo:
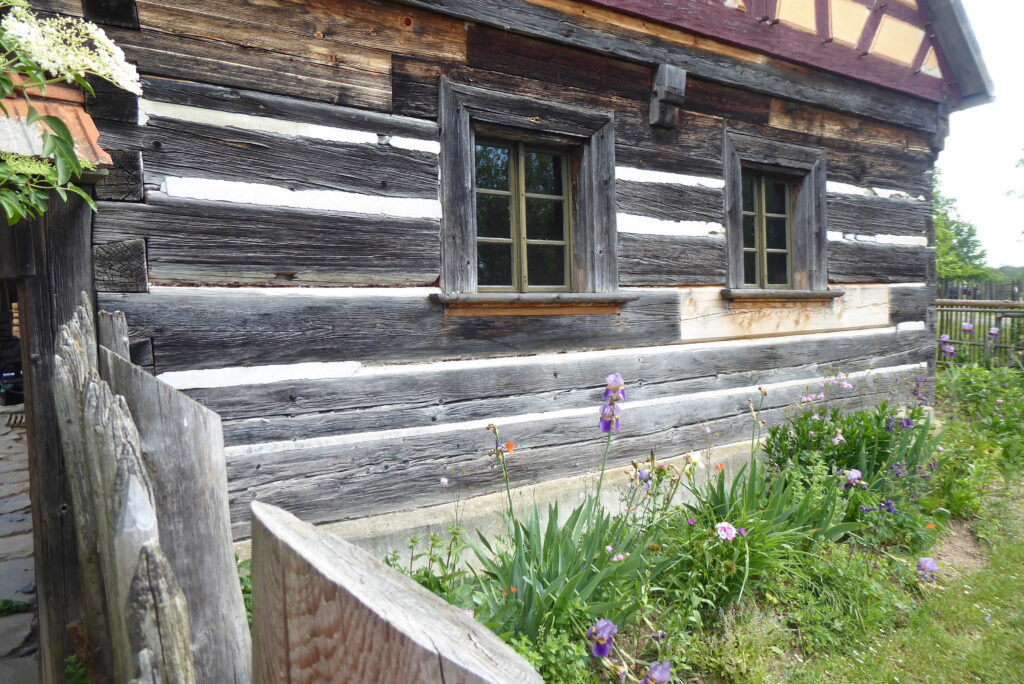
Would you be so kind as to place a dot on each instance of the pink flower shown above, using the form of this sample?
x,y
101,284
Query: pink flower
x,y
609,548
691,521
726,532
742,531
444,481
838,438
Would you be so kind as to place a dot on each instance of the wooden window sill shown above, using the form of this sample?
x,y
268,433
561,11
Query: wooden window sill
x,y
532,303
758,295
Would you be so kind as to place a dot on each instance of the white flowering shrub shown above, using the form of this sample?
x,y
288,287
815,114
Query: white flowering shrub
x,y
37,52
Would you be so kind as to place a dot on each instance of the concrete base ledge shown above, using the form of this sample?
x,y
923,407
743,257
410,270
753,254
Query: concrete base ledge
x,y
381,534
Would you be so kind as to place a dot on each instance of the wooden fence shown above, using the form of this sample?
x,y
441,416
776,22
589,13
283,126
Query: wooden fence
x,y
982,290
160,590
977,346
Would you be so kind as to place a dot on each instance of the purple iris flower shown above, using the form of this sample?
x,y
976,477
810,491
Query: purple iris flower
x,y
868,509
658,673
616,387
602,633
993,333
944,338
609,418
889,424
906,423
949,350
897,469
889,506
852,478
927,567
659,636
967,327
933,465
643,477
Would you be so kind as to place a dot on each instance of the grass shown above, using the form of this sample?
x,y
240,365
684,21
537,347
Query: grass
x,y
948,639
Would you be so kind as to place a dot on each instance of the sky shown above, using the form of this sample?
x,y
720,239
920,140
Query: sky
x,y
978,166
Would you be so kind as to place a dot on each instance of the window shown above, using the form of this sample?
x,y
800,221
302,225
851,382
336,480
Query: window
x,y
766,230
775,219
522,217
528,200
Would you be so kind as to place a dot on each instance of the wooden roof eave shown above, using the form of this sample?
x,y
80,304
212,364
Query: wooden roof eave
x,y
963,54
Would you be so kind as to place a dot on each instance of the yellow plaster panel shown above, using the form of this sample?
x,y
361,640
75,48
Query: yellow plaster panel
x,y
909,3
846,21
736,4
798,14
897,40
705,316
930,66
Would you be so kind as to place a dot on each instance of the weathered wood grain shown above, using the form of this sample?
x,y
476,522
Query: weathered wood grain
x,y
124,180
765,76
200,242
172,147
908,304
256,103
146,621
318,29
112,332
204,329
344,481
183,450
868,262
17,255
63,270
120,266
359,77
307,409
646,260
322,606
670,202
866,215
121,13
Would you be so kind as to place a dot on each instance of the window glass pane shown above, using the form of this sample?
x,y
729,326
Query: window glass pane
x,y
775,196
492,167
494,263
543,173
546,264
750,268
748,192
749,226
492,216
775,233
544,219
778,268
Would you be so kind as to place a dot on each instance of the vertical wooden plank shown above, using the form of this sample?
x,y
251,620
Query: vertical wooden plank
x,y
63,267
336,609
183,447
733,193
598,234
112,332
458,242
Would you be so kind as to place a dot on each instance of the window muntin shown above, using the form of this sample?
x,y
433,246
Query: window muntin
x,y
767,229
522,217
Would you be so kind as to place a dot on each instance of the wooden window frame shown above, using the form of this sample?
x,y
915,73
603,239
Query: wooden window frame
x,y
761,215
518,196
465,112
806,167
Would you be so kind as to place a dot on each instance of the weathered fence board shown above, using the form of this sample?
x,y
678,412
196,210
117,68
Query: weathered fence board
x,y
182,446
326,611
141,628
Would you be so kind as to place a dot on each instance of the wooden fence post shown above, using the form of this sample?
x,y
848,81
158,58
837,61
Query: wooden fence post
x,y
47,296
326,611
183,449
145,612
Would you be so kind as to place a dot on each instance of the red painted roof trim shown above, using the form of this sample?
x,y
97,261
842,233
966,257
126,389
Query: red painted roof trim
x,y
712,19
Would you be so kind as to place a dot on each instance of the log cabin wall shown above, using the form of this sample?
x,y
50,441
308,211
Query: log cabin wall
x,y
272,233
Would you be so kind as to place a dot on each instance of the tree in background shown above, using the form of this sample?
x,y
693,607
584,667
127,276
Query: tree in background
x,y
959,254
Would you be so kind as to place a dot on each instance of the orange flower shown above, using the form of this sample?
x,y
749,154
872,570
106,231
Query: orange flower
x,y
513,589
510,447
720,467
930,526
505,592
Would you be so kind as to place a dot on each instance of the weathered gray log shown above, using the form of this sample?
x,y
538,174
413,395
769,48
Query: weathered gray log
x,y
112,332
203,329
182,447
120,265
869,262
325,610
144,607
646,260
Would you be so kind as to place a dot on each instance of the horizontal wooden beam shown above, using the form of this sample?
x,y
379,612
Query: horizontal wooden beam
x,y
819,88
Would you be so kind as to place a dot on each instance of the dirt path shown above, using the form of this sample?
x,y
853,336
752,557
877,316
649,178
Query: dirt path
x,y
18,641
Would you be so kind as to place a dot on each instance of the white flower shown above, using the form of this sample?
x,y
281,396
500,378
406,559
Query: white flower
x,y
69,48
